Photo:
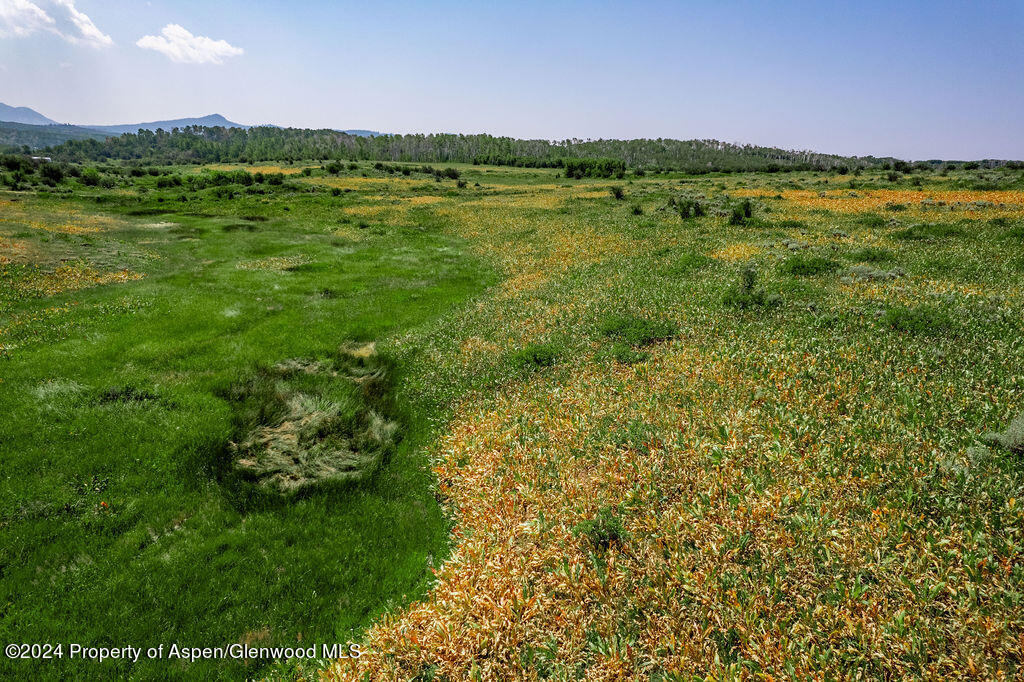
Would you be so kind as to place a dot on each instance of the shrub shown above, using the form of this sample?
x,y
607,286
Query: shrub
x,y
637,209
736,217
893,206
535,355
803,265
922,319
90,177
745,293
168,181
51,172
617,192
690,208
636,331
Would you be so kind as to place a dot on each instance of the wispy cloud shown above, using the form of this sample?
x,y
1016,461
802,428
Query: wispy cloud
x,y
86,29
179,45
22,18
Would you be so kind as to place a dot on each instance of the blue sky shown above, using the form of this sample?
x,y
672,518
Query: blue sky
x,y
912,79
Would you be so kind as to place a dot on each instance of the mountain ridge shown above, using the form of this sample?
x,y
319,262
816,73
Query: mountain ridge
x,y
24,115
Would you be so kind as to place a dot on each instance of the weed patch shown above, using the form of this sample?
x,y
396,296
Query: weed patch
x,y
921,319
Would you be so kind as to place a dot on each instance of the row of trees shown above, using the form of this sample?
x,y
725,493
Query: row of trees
x,y
210,145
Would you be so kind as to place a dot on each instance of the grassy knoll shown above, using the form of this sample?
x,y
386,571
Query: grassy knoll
x,y
684,426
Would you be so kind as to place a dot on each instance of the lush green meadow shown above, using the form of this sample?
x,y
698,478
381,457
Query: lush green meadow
x,y
658,427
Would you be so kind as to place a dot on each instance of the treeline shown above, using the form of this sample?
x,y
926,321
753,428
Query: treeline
x,y
213,145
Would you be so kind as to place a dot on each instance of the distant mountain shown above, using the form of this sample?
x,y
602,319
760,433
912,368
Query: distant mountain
x,y
58,133
208,121
361,133
23,115
36,136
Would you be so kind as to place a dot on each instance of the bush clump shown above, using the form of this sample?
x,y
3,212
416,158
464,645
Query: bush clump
x,y
636,331
690,208
803,265
535,356
746,293
922,319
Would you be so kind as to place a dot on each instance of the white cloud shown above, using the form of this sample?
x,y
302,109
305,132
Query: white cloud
x,y
22,18
89,33
181,46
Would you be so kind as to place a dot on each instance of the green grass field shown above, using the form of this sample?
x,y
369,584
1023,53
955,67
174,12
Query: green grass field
x,y
115,526
764,430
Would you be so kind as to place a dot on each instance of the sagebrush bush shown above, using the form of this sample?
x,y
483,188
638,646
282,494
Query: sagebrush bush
x,y
1011,438
617,192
